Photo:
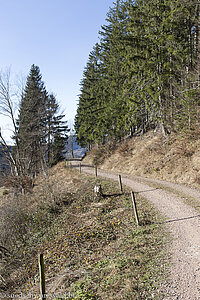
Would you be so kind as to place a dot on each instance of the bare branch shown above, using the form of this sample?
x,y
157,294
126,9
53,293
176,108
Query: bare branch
x,y
7,97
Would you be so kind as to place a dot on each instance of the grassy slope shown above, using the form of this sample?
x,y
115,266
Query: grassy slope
x,y
92,247
174,158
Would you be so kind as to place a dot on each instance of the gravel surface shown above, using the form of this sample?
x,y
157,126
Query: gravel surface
x,y
182,221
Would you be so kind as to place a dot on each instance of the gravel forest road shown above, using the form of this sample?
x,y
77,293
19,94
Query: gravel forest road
x,y
182,221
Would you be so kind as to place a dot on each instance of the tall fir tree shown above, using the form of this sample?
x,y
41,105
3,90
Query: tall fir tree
x,y
91,105
56,131
147,75
112,42
31,122
42,133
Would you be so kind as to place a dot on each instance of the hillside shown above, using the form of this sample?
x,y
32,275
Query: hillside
x,y
92,246
175,157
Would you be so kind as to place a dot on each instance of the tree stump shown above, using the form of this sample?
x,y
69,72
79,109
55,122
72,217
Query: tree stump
x,y
98,193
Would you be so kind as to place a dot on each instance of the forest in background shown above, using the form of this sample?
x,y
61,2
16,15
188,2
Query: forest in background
x,y
143,73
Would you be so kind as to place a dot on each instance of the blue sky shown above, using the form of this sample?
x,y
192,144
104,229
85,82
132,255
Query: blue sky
x,y
57,36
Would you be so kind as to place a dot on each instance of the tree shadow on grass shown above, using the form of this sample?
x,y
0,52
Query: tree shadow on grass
x,y
111,195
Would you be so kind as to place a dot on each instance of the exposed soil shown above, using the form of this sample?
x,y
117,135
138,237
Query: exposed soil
x,y
182,220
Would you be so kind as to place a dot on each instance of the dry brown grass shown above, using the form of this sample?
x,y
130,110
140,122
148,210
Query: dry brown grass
x,y
101,153
125,148
174,158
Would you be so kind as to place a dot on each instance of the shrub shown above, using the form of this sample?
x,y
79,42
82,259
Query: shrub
x,y
20,183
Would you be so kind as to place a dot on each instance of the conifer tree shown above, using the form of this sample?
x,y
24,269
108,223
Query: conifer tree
x,y
56,131
147,75
91,105
112,42
31,127
58,146
42,133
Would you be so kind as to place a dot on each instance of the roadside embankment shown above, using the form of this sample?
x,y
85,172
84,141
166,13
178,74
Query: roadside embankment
x,y
174,158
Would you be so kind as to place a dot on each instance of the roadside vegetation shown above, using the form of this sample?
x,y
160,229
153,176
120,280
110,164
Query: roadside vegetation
x,y
92,246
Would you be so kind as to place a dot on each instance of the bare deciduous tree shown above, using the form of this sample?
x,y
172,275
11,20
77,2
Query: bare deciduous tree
x,y
7,98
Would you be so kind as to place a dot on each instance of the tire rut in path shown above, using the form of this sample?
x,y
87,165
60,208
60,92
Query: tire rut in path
x,y
184,224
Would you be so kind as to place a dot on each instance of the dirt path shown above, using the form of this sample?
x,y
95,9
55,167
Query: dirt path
x,y
182,221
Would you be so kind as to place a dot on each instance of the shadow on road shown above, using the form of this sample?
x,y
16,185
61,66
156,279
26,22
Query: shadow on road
x,y
180,219
147,191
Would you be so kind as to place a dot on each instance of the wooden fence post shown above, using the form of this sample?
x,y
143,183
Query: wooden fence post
x,y
80,167
120,183
135,208
96,171
42,277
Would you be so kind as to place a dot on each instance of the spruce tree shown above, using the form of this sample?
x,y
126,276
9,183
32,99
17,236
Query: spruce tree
x,y
42,133
31,127
91,106
58,146
112,42
145,73
56,131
